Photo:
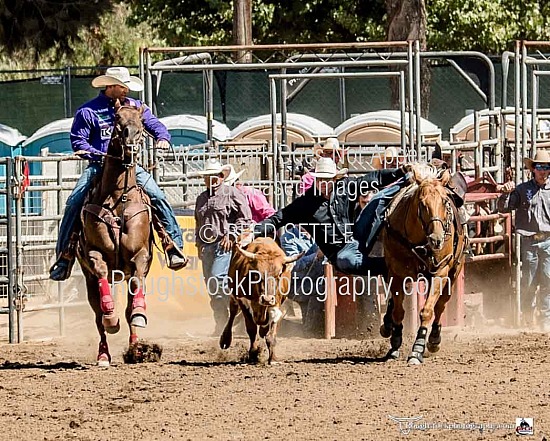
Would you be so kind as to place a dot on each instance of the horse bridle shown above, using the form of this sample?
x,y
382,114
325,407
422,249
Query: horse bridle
x,y
134,147
445,223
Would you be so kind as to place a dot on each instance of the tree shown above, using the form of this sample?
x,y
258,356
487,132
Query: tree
x,y
38,25
210,22
407,21
109,42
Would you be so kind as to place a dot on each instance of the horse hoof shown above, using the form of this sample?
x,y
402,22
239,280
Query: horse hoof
x,y
432,347
393,354
413,361
225,341
385,332
139,320
111,324
103,361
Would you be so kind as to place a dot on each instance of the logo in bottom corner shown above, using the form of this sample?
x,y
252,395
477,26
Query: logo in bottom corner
x,y
524,426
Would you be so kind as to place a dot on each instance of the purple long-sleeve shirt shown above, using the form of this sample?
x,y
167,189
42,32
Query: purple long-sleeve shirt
x,y
94,121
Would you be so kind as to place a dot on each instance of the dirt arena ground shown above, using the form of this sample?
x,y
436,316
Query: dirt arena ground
x,y
333,390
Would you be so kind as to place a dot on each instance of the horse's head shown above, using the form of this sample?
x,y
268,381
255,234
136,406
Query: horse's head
x,y
434,210
128,132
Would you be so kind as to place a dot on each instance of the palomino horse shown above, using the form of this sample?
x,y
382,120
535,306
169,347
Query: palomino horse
x,y
423,240
117,235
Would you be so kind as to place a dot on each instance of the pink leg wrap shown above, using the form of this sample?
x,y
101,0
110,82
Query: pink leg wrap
x,y
139,300
106,300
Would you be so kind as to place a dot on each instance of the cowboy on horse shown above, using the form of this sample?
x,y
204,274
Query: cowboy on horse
x,y
91,132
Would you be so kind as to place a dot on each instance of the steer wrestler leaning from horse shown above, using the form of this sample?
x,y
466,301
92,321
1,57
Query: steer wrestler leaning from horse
x,y
326,212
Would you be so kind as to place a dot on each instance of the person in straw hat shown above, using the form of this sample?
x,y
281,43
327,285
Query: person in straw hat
x,y
90,136
326,212
531,201
221,212
260,207
330,149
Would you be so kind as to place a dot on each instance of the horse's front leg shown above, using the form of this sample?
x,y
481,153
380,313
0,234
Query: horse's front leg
x,y
434,340
436,286
397,316
110,320
136,315
103,355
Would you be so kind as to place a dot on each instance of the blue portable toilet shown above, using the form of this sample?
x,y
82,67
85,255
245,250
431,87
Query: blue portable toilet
x,y
10,142
189,130
54,136
51,138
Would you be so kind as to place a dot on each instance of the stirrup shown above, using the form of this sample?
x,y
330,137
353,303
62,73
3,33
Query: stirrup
x,y
175,259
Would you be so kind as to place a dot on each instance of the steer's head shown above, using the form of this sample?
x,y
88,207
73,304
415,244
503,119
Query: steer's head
x,y
268,273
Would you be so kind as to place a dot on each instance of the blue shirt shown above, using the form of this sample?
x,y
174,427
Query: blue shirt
x,y
532,205
94,122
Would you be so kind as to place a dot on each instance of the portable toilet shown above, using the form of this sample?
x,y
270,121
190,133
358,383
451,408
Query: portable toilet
x,y
383,126
464,130
189,130
53,138
300,129
10,142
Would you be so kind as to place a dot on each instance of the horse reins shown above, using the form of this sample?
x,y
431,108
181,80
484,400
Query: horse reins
x,y
419,249
127,165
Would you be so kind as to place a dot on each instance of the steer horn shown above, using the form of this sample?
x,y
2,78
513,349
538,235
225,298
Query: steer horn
x,y
290,259
246,254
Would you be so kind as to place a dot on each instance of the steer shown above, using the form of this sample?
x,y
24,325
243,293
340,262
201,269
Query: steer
x,y
259,280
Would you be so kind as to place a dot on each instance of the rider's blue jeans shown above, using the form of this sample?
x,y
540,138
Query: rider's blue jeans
x,y
145,180
353,258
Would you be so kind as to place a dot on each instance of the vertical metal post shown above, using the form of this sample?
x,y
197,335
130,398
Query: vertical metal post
x,y
518,179
209,93
277,163
534,103
151,152
60,296
343,103
418,99
11,252
410,76
402,109
18,253
478,153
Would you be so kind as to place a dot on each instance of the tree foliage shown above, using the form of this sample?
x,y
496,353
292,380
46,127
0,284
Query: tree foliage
x,y
488,26
42,24
209,22
48,33
109,42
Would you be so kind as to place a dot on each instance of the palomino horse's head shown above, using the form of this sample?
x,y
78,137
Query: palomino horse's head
x,y
434,209
128,133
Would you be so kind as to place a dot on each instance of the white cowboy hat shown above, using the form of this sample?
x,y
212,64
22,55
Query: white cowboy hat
x,y
232,176
542,157
214,167
331,144
326,169
118,76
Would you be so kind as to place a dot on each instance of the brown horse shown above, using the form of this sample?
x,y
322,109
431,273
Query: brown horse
x,y
423,240
116,238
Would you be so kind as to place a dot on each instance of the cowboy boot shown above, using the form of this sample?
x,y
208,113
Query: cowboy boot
x,y
61,269
175,258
